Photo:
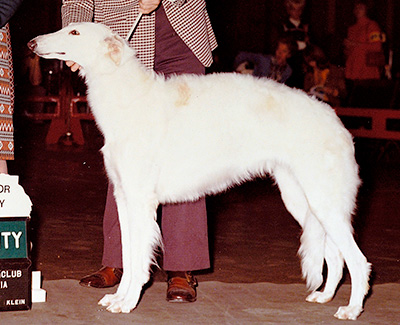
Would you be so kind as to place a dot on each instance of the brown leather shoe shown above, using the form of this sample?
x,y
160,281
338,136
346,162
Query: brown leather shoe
x,y
181,287
104,278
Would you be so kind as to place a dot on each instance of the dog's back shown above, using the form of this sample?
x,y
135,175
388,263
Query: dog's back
x,y
242,119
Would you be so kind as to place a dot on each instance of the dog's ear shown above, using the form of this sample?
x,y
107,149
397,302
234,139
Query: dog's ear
x,y
115,46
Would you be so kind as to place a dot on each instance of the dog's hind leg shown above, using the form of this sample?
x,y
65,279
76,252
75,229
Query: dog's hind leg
x,y
334,262
359,269
312,256
327,233
332,206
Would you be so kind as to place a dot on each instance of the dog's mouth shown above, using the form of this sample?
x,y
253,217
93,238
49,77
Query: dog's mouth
x,y
51,53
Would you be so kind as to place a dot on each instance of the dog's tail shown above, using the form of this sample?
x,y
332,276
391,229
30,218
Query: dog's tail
x,y
312,252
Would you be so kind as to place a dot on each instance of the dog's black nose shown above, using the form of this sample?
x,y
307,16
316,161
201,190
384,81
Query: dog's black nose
x,y
32,45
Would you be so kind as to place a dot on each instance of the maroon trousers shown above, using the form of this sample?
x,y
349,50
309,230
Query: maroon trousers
x,y
183,226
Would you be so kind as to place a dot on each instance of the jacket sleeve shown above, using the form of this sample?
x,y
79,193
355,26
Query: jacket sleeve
x,y
7,10
74,11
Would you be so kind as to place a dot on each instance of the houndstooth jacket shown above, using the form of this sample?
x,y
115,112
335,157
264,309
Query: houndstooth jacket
x,y
189,18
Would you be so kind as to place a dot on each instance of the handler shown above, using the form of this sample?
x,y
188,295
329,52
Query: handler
x,y
173,37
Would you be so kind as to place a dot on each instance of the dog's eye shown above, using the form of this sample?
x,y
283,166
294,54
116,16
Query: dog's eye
x,y
74,32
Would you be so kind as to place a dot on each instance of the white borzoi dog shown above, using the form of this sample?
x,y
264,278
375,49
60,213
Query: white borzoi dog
x,y
189,136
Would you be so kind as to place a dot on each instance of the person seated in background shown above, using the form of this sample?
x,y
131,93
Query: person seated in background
x,y
274,66
323,79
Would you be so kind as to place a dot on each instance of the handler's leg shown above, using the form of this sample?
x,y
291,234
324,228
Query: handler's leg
x,y
184,229
184,226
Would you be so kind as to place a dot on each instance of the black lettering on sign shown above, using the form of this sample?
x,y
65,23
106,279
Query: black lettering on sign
x,y
4,188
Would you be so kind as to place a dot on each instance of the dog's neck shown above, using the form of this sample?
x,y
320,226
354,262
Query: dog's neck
x,y
127,67
120,79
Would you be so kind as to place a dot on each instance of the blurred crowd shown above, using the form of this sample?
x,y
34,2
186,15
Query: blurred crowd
x,y
299,62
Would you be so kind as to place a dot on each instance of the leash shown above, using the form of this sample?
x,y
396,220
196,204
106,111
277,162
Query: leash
x,y
128,37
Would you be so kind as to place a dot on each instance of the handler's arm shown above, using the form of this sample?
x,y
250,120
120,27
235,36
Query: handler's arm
x,y
7,10
148,6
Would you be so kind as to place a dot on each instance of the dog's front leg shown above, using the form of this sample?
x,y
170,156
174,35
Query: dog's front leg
x,y
112,299
139,235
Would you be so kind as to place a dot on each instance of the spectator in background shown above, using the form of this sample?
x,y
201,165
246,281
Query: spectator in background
x,y
294,26
7,10
31,66
274,66
322,79
363,47
31,81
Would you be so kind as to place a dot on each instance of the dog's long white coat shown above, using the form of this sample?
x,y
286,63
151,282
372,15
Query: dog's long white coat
x,y
179,139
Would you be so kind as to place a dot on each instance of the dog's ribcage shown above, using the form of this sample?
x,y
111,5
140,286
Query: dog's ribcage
x,y
205,140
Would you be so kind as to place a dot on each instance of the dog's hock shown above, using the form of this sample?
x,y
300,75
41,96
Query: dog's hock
x,y
115,46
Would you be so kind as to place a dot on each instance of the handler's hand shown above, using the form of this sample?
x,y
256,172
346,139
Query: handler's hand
x,y
73,65
148,6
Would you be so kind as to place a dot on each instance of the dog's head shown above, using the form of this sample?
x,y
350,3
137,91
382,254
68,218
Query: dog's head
x,y
83,43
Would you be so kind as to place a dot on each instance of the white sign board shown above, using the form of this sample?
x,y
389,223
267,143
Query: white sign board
x,y
14,202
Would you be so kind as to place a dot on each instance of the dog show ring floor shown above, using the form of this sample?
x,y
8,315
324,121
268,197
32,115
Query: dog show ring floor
x,y
255,276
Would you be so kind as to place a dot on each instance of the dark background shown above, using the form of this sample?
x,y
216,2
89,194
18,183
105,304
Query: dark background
x,y
240,25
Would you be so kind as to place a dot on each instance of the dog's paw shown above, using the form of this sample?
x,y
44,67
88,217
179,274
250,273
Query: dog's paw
x,y
348,312
122,306
108,300
116,304
319,297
